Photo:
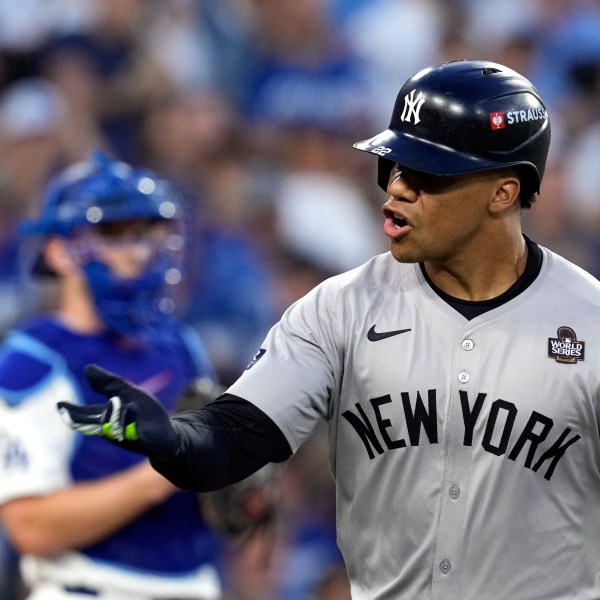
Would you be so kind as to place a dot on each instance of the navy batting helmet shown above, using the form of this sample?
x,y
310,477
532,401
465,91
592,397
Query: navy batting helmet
x,y
465,116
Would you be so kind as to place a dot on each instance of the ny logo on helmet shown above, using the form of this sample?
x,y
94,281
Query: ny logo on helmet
x,y
412,107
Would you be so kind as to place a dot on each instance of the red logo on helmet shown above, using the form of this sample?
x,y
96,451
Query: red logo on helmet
x,y
497,120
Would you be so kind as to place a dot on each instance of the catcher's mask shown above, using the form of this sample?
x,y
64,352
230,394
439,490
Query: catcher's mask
x,y
465,116
101,205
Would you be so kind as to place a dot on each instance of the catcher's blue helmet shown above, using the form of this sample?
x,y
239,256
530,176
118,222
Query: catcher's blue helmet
x,y
465,116
79,200
98,191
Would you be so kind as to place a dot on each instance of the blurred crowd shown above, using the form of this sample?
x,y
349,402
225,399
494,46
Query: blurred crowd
x,y
251,107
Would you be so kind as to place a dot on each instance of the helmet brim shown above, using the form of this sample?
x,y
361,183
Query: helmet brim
x,y
422,155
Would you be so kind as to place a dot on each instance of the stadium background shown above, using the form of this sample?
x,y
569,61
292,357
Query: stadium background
x,y
251,108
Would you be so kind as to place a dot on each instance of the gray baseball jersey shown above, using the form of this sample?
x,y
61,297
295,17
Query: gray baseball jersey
x,y
466,454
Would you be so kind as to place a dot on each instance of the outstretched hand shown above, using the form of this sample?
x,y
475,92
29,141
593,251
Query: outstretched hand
x,y
131,418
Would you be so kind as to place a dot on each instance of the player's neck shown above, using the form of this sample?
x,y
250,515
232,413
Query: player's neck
x,y
483,275
77,310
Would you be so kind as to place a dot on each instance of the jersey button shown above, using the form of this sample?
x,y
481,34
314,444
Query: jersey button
x,y
467,345
445,566
454,492
463,377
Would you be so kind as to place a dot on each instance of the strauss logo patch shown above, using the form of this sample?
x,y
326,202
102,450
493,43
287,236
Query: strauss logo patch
x,y
497,120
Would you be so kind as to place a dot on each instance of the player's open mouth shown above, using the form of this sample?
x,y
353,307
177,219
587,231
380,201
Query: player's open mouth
x,y
398,221
395,225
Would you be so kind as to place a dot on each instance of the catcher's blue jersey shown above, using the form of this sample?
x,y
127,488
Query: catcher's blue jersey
x,y
41,363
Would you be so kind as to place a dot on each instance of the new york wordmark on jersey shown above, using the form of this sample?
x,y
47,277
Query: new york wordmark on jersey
x,y
501,417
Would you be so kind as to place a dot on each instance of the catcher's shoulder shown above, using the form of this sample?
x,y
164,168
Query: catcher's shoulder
x,y
26,364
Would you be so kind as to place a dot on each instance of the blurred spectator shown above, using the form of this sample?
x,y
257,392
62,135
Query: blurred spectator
x,y
326,220
333,585
583,176
394,38
32,114
303,70
107,68
581,181
187,132
304,98
322,214
179,43
197,139
565,39
24,27
230,303
225,31
490,29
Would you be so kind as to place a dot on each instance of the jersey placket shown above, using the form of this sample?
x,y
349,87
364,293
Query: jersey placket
x,y
446,575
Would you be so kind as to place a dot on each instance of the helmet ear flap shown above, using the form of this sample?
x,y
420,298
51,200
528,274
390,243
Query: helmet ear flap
x,y
529,186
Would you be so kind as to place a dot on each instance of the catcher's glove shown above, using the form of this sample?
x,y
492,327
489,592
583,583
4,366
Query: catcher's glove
x,y
198,394
242,508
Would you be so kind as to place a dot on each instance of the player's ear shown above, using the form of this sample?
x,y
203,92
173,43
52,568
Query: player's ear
x,y
505,193
57,256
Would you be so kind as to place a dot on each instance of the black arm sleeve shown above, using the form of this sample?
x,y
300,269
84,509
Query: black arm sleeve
x,y
222,443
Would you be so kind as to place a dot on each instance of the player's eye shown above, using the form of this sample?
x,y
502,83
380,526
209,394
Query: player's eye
x,y
424,182
435,184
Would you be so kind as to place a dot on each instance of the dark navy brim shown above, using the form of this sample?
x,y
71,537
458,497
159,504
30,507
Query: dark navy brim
x,y
422,155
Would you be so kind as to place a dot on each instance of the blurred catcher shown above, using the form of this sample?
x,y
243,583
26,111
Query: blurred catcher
x,y
90,520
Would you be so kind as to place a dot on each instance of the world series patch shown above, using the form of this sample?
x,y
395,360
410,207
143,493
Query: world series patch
x,y
566,348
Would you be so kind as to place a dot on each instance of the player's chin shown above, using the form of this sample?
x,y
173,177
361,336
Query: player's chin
x,y
405,255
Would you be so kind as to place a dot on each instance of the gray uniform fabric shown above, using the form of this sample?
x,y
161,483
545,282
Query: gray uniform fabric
x,y
466,454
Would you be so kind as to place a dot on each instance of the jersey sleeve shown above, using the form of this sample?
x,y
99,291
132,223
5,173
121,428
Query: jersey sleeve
x,y
221,444
35,446
292,375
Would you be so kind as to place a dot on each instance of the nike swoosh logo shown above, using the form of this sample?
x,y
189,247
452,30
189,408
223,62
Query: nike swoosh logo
x,y
373,336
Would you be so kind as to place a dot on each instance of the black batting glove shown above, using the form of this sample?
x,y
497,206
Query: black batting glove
x,y
132,418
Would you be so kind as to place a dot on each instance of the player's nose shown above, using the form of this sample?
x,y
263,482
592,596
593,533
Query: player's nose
x,y
400,188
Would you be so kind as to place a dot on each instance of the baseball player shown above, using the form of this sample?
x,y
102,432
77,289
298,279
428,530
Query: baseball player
x,y
459,373
88,519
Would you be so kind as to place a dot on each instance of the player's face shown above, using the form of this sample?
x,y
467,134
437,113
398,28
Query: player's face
x,y
432,218
127,247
